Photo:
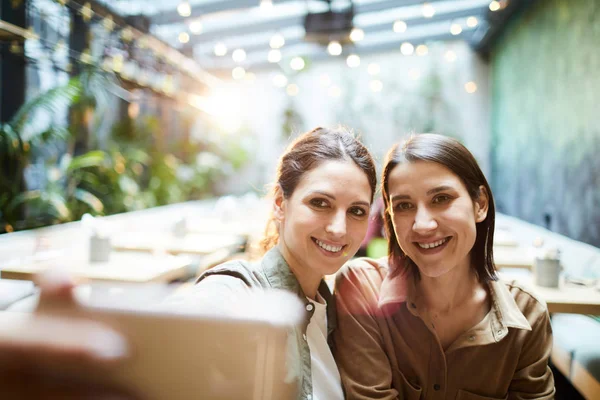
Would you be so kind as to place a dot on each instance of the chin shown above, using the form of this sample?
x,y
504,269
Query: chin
x,y
433,272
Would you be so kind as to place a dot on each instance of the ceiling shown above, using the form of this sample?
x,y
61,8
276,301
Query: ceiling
x,y
248,25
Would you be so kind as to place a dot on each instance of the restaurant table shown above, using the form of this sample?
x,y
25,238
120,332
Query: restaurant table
x,y
513,257
567,298
196,244
121,267
504,238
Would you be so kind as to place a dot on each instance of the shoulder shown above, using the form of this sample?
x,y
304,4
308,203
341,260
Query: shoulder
x,y
244,271
533,308
362,275
364,267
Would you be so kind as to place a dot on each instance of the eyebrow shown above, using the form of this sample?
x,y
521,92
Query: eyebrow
x,y
438,189
429,192
364,203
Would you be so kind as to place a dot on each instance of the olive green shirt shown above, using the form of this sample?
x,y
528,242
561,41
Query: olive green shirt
x,y
385,350
272,272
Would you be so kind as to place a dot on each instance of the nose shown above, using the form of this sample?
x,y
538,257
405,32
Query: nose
x,y
424,221
336,226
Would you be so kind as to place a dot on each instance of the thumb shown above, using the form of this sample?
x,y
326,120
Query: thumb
x,y
56,289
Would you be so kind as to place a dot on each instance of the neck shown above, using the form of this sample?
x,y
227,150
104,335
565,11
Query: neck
x,y
309,281
446,292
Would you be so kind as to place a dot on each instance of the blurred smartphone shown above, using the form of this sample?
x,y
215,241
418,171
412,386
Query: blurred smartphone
x,y
196,355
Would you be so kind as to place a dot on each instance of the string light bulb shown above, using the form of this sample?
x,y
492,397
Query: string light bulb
x,y
297,63
184,9
407,48
422,50
196,27
108,23
357,35
238,55
277,41
220,49
238,73
280,80
86,12
472,22
353,61
292,89
428,10
184,37
470,87
450,56
86,57
334,48
266,4
494,6
127,34
455,29
400,26
274,56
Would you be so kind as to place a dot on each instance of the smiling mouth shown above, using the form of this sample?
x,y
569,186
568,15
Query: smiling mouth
x,y
327,247
433,245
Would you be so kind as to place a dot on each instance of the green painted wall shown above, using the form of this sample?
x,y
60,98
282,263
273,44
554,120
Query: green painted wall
x,y
546,117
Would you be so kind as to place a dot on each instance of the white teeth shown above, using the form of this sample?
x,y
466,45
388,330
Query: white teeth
x,y
333,249
432,245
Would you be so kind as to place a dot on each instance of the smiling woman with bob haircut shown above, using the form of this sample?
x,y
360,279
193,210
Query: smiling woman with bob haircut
x,y
432,320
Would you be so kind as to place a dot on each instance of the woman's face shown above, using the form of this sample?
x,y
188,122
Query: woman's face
x,y
323,222
434,217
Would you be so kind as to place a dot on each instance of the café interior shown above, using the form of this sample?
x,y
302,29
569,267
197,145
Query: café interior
x,y
138,139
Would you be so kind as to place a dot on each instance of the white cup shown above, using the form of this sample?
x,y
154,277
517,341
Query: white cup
x,y
547,272
100,248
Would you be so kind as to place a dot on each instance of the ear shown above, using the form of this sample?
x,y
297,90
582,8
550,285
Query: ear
x,y
482,204
278,204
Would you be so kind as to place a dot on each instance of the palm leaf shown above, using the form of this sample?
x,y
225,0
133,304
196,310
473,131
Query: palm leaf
x,y
59,205
88,198
47,135
90,159
22,198
10,141
50,101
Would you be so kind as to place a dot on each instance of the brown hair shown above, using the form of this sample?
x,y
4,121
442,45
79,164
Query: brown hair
x,y
457,158
307,152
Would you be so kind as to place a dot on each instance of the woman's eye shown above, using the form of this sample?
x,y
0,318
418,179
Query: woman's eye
x,y
441,199
358,211
319,203
403,206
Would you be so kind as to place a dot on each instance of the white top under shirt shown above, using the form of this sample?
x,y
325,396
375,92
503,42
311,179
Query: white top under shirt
x,y
326,380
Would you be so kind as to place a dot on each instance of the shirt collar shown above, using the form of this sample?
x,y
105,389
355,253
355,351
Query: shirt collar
x,y
278,272
395,286
507,310
280,276
398,286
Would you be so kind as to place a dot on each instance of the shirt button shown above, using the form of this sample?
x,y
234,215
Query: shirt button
x,y
413,305
304,336
436,387
471,338
499,332
309,307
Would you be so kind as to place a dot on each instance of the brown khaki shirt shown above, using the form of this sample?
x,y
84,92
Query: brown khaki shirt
x,y
385,350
